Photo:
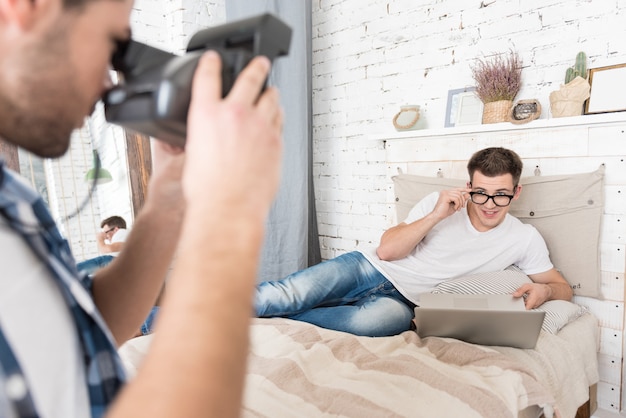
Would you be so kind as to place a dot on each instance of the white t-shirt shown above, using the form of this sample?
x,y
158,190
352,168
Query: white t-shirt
x,y
119,236
454,248
41,331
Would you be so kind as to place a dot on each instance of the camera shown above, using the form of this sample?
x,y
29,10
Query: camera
x,y
154,91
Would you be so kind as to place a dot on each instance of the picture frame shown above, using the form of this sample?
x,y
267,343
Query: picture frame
x,y
463,107
608,90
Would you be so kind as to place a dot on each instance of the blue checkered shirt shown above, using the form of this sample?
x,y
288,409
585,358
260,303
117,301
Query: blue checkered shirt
x,y
27,215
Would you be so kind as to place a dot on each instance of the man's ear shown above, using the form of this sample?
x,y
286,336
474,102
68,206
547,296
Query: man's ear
x,y
518,190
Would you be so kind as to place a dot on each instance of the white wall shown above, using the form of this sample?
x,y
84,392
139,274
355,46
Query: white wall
x,y
371,57
170,24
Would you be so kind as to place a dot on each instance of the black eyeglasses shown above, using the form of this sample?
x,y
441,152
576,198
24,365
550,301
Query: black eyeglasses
x,y
500,200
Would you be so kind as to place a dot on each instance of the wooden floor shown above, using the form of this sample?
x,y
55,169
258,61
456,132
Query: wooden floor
x,y
584,411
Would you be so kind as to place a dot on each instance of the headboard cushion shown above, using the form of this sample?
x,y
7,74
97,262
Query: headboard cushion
x,y
565,209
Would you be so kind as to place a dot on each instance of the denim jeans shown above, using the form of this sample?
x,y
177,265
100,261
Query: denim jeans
x,y
148,325
91,265
345,294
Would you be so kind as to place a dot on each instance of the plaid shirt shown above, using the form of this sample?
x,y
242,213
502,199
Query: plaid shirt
x,y
27,215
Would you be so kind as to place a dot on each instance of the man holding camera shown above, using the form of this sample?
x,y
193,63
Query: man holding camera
x,y
58,338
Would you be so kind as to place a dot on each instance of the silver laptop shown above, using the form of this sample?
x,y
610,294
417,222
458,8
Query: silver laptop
x,y
480,319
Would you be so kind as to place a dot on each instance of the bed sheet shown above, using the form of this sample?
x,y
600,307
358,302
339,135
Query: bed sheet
x,y
297,369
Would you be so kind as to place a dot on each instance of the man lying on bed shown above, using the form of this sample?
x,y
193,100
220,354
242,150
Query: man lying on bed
x,y
446,235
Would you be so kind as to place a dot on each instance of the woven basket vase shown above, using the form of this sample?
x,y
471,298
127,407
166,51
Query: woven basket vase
x,y
494,112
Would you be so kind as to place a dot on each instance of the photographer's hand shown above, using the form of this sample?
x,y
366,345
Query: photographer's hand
x,y
235,141
230,177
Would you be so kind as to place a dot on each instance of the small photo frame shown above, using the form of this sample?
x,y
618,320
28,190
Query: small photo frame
x,y
608,89
463,107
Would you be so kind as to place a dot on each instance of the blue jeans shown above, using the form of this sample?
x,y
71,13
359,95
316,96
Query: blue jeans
x,y
148,325
91,265
346,294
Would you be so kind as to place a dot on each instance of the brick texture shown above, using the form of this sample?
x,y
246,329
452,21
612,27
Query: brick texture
x,y
371,57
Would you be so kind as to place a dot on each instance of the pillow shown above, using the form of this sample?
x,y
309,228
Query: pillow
x,y
558,312
565,209
492,283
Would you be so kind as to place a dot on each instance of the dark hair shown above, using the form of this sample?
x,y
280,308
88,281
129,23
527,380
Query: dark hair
x,y
114,221
496,161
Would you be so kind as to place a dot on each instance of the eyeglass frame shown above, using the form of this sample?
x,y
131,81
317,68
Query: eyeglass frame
x,y
115,227
492,197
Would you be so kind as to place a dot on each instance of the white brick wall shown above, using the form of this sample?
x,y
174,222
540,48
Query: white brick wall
x,y
67,191
170,24
371,57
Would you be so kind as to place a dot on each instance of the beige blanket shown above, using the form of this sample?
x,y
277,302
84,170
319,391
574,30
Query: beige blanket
x,y
299,370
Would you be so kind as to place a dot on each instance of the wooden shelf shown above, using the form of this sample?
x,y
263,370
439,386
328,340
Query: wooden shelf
x,y
583,120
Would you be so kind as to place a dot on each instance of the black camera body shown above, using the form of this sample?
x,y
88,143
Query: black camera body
x,y
155,89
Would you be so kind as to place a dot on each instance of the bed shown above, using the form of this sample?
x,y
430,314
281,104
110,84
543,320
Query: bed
x,y
299,370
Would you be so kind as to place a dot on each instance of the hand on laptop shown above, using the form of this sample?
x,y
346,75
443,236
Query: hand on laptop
x,y
534,294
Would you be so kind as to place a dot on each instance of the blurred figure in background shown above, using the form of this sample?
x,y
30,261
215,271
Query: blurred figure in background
x,y
110,241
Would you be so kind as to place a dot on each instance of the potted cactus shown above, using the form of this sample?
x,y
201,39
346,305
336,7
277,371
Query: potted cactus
x,y
569,99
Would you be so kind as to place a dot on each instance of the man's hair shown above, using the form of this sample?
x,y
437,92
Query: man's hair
x,y
114,221
496,161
